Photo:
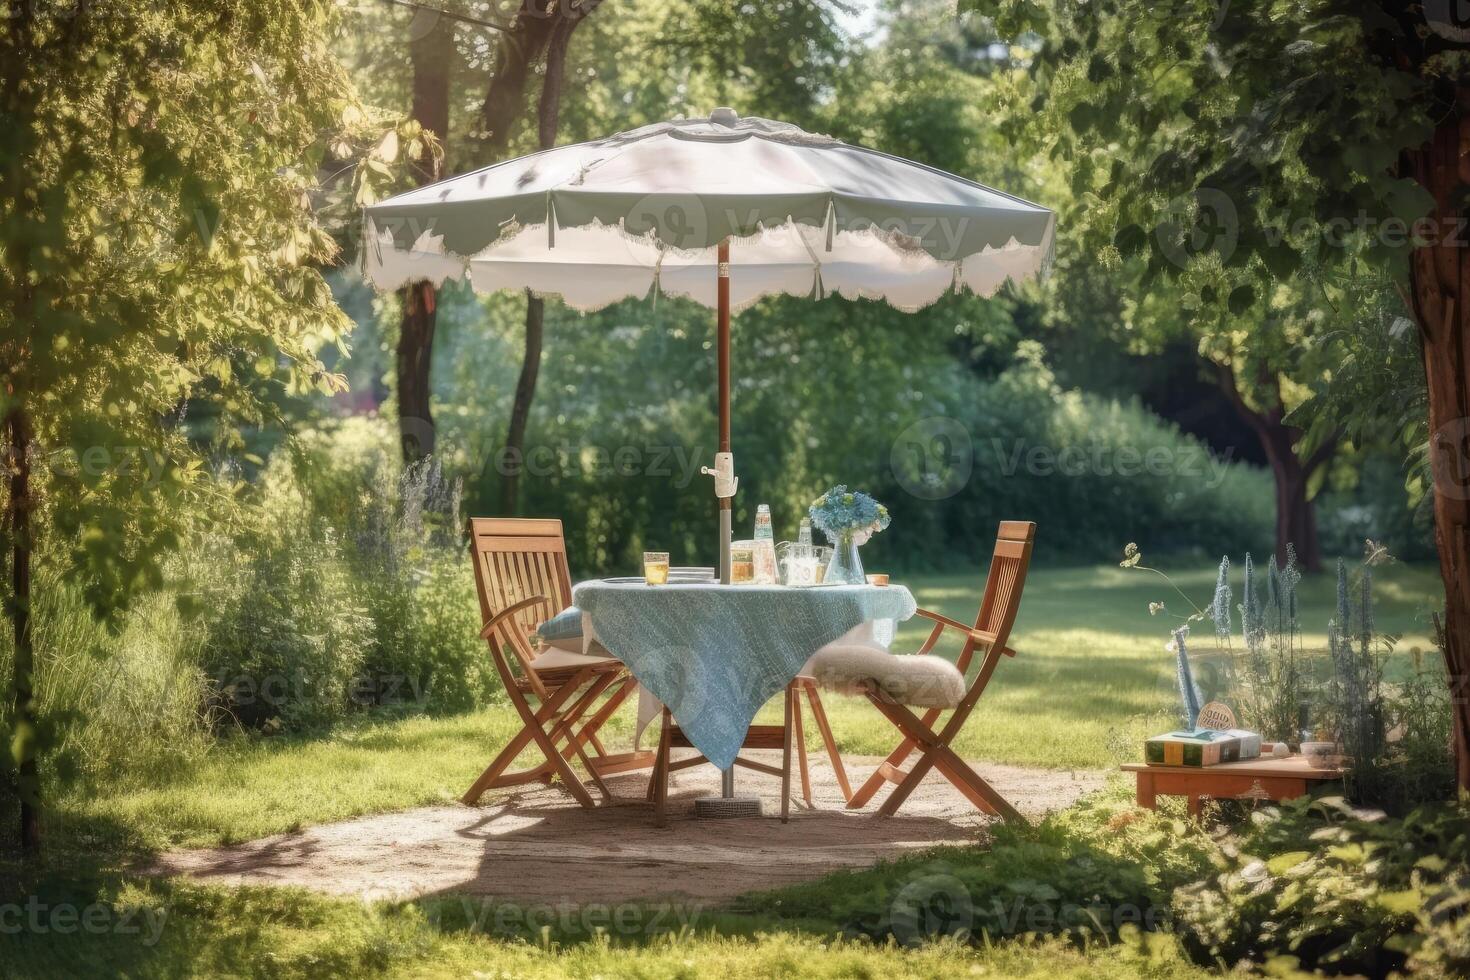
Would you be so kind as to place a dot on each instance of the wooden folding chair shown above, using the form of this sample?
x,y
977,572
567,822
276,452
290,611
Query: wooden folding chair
x,y
521,574
992,629
757,737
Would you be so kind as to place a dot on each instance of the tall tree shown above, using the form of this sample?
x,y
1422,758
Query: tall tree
x,y
157,165
1263,357
520,47
548,115
1316,130
431,53
1294,469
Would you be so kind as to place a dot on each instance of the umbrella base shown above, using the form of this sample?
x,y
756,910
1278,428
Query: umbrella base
x,y
726,807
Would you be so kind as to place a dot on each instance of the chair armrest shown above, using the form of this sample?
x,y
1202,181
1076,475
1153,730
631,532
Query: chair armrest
x,y
979,636
509,611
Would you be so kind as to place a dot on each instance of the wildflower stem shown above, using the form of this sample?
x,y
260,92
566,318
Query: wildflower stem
x,y
1199,613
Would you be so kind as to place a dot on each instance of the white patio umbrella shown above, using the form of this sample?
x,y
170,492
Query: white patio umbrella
x,y
721,210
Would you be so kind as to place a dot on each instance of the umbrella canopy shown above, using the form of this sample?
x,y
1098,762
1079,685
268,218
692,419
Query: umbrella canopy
x,y
722,210
804,215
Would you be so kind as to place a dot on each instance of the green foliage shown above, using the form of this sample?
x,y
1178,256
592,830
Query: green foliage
x,y
402,534
1312,883
1086,873
160,246
623,419
1354,894
1273,124
349,589
1397,731
286,632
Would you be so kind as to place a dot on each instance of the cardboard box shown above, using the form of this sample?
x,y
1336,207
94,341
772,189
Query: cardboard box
x,y
1250,742
1193,747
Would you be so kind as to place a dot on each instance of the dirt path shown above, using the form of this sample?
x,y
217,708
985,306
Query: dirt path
x,y
540,846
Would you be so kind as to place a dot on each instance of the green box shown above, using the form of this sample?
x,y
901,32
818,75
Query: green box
x,y
1198,747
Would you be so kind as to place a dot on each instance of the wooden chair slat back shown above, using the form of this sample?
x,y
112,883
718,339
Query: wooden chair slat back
x,y
1007,578
516,558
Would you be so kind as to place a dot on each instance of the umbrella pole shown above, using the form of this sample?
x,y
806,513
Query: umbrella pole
x,y
722,371
727,804
722,362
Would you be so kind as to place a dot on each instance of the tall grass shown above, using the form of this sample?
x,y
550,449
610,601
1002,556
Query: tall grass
x,y
117,705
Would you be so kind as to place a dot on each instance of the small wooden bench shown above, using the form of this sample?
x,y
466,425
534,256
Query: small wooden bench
x,y
1253,779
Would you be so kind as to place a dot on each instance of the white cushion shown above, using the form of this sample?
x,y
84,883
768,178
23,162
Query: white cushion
x,y
553,658
920,681
572,644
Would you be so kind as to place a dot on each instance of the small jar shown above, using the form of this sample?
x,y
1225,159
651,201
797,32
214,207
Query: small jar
x,y
742,564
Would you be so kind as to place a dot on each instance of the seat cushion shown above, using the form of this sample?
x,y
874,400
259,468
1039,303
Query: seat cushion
x,y
920,681
553,658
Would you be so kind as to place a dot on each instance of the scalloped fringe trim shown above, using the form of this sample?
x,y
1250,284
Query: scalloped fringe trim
x,y
819,289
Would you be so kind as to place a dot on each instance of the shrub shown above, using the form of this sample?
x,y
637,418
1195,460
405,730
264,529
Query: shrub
x,y
285,629
1395,731
1312,884
1088,873
403,546
1354,893
614,447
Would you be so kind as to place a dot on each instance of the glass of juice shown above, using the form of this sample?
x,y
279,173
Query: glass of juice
x,y
656,567
742,564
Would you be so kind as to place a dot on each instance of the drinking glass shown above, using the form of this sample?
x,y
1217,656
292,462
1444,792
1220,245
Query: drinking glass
x,y
656,567
742,563
824,558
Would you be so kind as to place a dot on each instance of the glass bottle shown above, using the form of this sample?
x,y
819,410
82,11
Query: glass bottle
x,y
765,547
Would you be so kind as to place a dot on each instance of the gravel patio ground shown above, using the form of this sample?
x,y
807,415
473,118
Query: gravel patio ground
x,y
540,846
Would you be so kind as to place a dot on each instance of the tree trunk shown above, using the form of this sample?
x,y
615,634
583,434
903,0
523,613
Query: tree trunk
x,y
1440,294
547,116
519,49
1296,515
431,54
415,353
18,517
520,410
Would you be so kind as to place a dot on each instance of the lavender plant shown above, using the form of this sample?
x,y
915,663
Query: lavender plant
x,y
1272,686
1394,734
1220,604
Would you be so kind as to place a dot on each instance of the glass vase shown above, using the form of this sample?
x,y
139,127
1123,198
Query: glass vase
x,y
846,568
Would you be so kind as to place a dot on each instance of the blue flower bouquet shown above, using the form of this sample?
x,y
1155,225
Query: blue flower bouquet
x,y
848,518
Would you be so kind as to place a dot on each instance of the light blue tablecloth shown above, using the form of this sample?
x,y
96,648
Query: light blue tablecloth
x,y
716,653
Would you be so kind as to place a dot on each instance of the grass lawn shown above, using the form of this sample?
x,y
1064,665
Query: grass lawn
x,y
1091,679
288,933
